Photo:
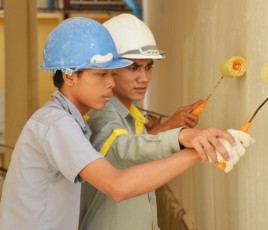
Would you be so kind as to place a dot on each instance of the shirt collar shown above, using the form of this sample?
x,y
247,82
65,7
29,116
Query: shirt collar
x,y
68,106
120,107
136,114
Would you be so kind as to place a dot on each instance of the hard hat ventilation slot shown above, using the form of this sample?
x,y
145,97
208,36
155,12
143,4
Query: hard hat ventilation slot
x,y
101,60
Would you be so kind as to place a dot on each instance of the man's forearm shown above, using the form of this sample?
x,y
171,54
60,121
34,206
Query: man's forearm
x,y
144,178
134,181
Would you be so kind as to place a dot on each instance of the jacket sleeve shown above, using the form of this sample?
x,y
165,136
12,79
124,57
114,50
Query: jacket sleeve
x,y
129,148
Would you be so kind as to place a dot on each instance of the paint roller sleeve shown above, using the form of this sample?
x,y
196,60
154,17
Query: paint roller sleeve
x,y
234,67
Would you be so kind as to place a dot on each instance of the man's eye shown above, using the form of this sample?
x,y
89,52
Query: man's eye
x,y
132,68
102,74
149,67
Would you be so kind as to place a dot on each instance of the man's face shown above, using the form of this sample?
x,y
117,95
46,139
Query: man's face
x,y
90,89
131,83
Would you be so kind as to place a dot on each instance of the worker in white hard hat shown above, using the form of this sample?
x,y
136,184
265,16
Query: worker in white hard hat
x,y
119,133
53,154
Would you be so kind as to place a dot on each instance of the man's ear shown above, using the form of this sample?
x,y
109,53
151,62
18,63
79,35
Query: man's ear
x,y
68,79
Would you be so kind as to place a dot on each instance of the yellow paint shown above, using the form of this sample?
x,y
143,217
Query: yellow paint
x,y
234,67
264,73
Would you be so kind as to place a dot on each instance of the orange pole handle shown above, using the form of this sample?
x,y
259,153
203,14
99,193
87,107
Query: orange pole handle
x,y
197,111
221,165
244,128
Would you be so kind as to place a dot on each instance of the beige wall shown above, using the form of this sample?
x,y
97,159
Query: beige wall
x,y
198,36
46,23
2,65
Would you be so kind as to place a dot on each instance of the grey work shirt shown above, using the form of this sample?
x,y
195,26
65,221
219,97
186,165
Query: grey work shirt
x,y
42,189
99,212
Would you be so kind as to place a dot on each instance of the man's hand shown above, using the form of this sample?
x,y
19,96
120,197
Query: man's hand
x,y
152,122
182,117
206,142
243,140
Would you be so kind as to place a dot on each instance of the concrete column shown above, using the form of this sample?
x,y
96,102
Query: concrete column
x,y
20,23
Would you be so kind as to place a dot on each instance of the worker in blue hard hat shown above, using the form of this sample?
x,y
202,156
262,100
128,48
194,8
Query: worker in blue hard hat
x,y
119,133
53,154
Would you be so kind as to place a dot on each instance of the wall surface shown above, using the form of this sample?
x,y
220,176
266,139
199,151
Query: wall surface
x,y
198,36
20,53
2,79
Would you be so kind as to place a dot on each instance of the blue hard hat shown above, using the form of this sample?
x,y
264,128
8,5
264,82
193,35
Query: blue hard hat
x,y
81,43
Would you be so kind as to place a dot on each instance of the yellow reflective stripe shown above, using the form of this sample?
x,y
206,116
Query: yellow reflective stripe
x,y
139,127
139,124
86,117
139,119
108,143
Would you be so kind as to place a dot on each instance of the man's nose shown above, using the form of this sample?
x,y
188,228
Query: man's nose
x,y
110,81
144,76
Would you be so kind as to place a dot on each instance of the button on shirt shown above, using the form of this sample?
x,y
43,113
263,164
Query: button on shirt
x,y
99,212
42,189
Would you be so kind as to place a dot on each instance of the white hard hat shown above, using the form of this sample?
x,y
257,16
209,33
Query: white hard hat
x,y
133,38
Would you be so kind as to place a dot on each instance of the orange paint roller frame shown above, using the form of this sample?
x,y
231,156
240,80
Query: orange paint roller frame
x,y
232,68
245,128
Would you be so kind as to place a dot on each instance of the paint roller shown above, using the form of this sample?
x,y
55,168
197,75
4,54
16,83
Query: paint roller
x,y
233,67
248,123
245,128
264,78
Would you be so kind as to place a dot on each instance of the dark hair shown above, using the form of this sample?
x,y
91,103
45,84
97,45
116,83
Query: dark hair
x,y
58,78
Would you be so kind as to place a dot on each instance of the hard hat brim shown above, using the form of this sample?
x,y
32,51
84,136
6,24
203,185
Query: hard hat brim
x,y
116,64
145,52
140,56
